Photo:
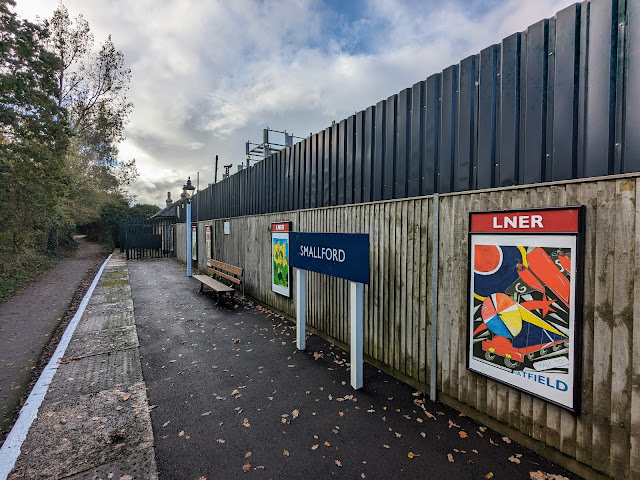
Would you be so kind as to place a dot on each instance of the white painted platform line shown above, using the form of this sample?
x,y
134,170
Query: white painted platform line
x,y
29,412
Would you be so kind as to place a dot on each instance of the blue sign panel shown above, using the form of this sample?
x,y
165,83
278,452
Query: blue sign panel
x,y
342,255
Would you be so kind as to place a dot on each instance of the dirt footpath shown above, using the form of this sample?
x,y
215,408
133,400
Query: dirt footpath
x,y
30,319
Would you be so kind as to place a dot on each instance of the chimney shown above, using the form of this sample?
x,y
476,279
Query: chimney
x,y
169,201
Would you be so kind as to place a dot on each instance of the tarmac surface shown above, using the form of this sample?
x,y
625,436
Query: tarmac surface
x,y
232,396
159,382
29,319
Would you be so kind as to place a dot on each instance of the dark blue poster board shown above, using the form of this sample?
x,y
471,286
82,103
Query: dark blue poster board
x,y
342,255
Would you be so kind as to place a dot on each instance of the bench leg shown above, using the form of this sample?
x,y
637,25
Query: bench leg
x,y
201,287
218,300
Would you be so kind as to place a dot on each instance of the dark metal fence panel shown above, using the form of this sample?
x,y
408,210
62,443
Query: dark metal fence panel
x,y
368,154
416,137
390,147
560,100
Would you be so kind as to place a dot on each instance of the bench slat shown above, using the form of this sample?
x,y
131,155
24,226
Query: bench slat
x,y
213,284
213,271
227,267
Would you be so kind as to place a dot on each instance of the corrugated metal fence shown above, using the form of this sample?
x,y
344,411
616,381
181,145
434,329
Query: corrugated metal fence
x,y
558,101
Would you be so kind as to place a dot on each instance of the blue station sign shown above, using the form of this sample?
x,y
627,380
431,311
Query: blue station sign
x,y
342,255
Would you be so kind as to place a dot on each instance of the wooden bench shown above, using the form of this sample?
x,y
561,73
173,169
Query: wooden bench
x,y
223,271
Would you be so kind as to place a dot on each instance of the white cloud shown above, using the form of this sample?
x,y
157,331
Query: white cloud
x,y
207,76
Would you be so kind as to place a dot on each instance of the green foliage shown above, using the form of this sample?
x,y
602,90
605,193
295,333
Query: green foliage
x,y
34,136
63,108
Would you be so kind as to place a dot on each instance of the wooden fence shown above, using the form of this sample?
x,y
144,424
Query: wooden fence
x,y
604,436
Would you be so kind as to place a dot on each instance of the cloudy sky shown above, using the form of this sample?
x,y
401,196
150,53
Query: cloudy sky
x,y
209,75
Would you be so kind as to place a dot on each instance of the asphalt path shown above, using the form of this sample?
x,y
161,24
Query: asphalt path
x,y
232,396
29,319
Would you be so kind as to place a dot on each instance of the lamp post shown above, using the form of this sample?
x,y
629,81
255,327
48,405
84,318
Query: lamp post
x,y
188,192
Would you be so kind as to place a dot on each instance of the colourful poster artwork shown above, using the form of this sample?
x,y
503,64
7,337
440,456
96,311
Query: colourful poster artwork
x,y
207,235
522,324
194,243
280,277
281,263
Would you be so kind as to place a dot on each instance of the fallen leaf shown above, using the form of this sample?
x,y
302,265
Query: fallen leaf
x,y
463,434
489,475
514,459
295,414
506,439
341,414
181,433
411,455
245,423
220,440
205,414
246,467
314,447
126,397
95,419
339,463
450,457
166,423
386,446
286,453
119,407
327,444
398,435
540,475
247,455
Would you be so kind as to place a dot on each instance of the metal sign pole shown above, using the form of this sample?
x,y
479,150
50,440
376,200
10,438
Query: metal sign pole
x,y
188,225
357,302
301,308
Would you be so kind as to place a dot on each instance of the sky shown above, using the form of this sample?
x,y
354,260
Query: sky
x,y
209,75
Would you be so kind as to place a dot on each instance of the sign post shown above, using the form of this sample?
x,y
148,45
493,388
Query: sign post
x,y
301,309
342,255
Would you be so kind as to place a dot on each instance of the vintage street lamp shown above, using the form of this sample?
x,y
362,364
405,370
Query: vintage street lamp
x,y
187,190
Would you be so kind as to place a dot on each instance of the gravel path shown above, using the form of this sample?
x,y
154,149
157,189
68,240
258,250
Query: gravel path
x,y
30,319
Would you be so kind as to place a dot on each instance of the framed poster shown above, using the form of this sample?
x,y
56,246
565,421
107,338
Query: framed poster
x,y
194,242
280,278
524,300
207,237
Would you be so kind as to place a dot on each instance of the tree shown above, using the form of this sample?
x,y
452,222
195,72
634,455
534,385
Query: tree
x,y
33,132
92,89
91,86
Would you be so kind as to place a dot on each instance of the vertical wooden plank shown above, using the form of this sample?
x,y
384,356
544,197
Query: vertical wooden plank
x,y
622,328
445,265
387,316
634,466
397,292
426,231
402,288
603,299
378,212
416,265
